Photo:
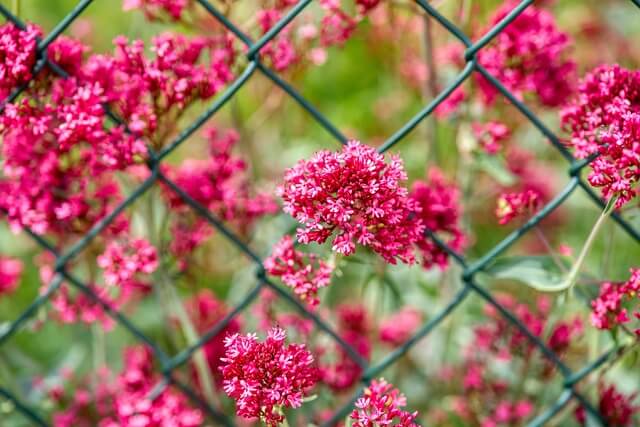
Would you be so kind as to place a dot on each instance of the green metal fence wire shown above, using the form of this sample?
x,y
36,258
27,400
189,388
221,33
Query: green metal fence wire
x,y
470,269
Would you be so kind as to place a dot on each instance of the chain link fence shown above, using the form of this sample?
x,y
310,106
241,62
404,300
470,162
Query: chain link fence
x,y
470,268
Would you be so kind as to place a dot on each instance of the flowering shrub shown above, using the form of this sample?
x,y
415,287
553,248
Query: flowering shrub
x,y
166,201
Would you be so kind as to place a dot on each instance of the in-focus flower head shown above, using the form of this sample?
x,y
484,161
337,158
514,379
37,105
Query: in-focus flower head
x,y
266,377
381,405
304,273
604,120
356,195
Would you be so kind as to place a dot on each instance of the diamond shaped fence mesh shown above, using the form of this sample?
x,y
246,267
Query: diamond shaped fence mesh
x,y
470,268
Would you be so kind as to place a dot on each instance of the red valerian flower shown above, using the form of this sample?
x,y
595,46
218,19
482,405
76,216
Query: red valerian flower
x,y
133,408
438,208
490,135
528,56
357,195
305,273
381,405
608,311
10,271
221,184
17,56
266,377
514,205
400,326
341,372
154,9
615,408
123,261
605,119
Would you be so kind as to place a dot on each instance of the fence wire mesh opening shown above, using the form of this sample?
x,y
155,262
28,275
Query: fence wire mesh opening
x,y
176,363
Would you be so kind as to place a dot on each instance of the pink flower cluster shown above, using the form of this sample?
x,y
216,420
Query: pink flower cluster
x,y
604,119
17,56
304,273
304,38
124,402
10,271
58,159
608,309
219,183
438,208
400,326
339,371
154,9
490,135
528,56
514,205
266,377
496,342
356,195
151,94
381,405
123,261
616,408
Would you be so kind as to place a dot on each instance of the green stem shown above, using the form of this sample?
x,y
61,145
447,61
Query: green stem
x,y
577,266
171,303
189,331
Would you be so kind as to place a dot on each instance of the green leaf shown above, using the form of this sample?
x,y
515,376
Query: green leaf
x,y
495,167
538,272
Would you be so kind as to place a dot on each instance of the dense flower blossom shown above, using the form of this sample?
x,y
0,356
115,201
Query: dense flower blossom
x,y
219,183
497,348
338,370
528,56
266,377
123,261
605,120
206,311
400,326
608,309
84,401
17,56
357,195
616,408
514,205
381,405
304,273
132,407
150,94
280,50
439,210
490,135
154,9
10,271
